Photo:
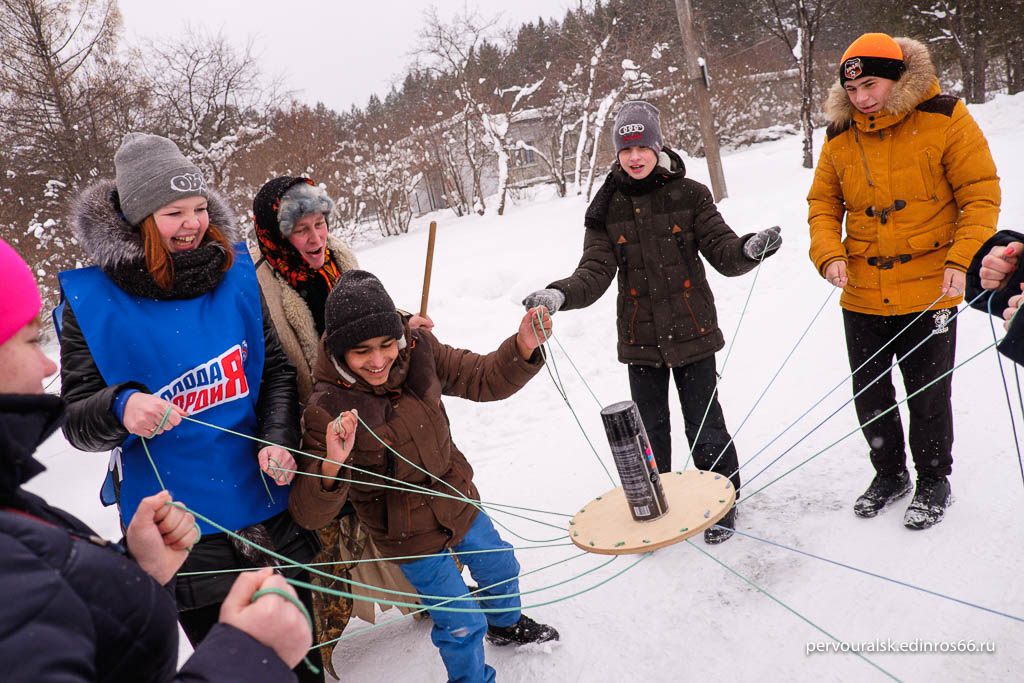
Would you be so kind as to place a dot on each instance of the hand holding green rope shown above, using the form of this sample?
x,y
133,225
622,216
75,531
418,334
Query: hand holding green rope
x,y
290,597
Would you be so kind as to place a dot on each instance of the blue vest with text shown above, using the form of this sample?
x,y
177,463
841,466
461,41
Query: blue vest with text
x,y
205,355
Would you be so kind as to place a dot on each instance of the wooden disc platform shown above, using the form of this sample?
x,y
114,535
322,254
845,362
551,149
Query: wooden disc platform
x,y
696,500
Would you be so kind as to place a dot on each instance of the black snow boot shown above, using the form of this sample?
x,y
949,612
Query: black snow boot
x,y
931,499
884,489
524,631
722,529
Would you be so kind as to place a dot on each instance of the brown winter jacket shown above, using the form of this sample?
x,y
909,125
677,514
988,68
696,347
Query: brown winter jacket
x,y
291,314
923,149
408,415
665,311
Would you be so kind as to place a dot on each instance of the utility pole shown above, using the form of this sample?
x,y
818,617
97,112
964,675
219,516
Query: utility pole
x,y
696,72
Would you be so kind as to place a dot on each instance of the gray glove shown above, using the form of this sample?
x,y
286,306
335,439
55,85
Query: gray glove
x,y
552,299
766,242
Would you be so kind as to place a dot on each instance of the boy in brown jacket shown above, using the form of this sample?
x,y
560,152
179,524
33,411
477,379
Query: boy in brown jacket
x,y
372,365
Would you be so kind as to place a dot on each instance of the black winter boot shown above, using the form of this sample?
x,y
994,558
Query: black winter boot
x,y
722,530
884,489
931,499
524,631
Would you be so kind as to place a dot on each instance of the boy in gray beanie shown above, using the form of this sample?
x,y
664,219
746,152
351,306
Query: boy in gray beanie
x,y
638,124
650,221
152,172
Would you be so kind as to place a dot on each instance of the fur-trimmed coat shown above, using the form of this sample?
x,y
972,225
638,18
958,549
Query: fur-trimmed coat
x,y
924,150
92,425
291,314
106,238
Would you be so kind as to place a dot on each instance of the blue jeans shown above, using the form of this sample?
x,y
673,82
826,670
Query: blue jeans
x,y
460,635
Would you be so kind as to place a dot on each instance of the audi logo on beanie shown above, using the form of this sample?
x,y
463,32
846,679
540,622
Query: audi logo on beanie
x,y
637,125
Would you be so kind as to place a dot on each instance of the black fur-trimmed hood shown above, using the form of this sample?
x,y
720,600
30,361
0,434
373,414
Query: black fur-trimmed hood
x,y
910,90
101,229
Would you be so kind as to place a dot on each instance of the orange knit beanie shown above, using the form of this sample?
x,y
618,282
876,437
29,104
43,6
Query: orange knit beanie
x,y
873,54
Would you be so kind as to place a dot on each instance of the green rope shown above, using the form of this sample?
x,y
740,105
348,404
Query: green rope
x,y
549,363
787,607
420,608
473,597
472,593
728,353
431,492
290,597
163,421
578,373
746,498
266,486
145,448
405,486
292,563
517,549
274,590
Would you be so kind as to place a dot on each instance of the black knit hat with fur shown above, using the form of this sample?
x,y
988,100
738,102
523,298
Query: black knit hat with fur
x,y
359,308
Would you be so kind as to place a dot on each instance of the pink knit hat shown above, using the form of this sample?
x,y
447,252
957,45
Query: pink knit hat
x,y
20,301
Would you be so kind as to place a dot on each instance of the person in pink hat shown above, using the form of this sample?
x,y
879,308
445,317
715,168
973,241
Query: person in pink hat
x,y
71,620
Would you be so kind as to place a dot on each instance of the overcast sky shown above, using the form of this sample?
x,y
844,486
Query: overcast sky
x,y
336,52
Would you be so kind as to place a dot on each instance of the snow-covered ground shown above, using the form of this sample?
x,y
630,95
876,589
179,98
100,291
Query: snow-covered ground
x,y
678,614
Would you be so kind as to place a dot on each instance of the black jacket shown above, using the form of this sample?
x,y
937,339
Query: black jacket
x,y
652,232
1012,345
77,608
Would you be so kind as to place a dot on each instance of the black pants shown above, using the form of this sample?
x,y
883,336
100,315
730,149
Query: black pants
x,y
931,411
696,386
197,623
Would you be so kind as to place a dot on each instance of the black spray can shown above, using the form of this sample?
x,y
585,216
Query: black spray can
x,y
634,460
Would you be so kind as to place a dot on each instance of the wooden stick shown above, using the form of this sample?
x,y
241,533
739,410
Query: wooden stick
x,y
430,264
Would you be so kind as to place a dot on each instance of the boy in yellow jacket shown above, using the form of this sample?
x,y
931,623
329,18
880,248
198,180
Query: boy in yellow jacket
x,y
912,173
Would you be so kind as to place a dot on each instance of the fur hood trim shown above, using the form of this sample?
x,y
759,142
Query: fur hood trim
x,y
910,90
100,227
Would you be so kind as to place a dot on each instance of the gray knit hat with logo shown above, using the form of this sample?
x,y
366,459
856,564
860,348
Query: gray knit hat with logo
x,y
152,172
638,125
359,308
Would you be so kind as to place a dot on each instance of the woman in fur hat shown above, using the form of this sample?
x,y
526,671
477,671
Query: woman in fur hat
x,y
297,263
911,172
168,323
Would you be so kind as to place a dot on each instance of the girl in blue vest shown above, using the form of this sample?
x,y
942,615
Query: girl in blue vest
x,y
169,323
